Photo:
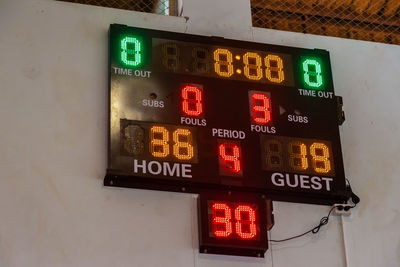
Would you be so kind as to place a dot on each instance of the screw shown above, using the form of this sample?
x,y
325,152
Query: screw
x,y
111,182
183,189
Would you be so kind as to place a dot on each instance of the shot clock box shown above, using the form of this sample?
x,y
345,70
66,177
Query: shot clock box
x,y
233,224
192,113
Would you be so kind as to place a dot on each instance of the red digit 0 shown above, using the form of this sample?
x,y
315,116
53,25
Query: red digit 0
x,y
222,225
230,155
192,100
260,108
245,228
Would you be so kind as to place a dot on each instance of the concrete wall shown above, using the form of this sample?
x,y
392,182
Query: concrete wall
x,y
54,210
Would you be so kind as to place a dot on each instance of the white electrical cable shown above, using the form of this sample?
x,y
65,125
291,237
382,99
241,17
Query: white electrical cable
x,y
180,8
346,260
270,245
193,209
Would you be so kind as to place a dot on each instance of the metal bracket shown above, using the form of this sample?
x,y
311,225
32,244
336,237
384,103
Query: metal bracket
x,y
340,112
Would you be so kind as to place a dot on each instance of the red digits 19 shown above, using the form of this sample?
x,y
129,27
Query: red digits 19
x,y
192,100
245,217
260,108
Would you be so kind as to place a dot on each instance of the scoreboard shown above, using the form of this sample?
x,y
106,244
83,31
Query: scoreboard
x,y
236,122
193,113
221,117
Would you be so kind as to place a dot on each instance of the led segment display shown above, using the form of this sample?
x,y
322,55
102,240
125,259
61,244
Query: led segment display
x,y
223,62
297,155
131,51
233,220
192,100
230,158
159,142
260,107
312,73
233,224
193,113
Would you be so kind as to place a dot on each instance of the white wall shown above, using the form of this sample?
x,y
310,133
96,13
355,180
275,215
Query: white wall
x,y
54,210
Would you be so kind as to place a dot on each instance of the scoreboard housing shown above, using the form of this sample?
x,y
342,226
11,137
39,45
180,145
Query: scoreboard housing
x,y
197,113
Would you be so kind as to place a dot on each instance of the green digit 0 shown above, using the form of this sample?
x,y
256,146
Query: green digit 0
x,y
131,51
312,73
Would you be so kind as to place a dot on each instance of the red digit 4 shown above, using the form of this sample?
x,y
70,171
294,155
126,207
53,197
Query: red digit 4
x,y
230,156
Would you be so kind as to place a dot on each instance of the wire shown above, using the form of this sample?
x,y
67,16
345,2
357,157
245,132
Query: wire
x,y
272,254
344,242
354,198
322,222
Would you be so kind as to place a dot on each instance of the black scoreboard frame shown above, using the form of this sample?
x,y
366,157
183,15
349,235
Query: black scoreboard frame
x,y
118,178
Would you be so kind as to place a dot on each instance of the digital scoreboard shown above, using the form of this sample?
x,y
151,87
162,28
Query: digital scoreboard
x,y
194,113
236,122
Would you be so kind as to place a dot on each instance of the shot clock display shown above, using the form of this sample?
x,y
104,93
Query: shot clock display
x,y
193,113
233,224
242,225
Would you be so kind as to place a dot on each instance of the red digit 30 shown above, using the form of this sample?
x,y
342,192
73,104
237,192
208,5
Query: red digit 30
x,y
245,221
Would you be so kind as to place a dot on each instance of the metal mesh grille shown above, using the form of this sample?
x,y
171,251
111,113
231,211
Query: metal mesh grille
x,y
369,20
165,7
